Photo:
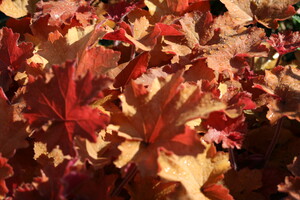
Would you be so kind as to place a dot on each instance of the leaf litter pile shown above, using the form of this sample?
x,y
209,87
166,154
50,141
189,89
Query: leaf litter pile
x,y
149,99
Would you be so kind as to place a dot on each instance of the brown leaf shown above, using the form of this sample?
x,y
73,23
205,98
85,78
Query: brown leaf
x,y
220,57
283,83
243,183
266,12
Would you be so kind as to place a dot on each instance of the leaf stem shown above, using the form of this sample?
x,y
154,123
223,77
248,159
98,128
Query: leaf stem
x,y
278,60
232,159
274,141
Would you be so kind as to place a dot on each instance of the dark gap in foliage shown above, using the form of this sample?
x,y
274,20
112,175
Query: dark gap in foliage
x,y
217,8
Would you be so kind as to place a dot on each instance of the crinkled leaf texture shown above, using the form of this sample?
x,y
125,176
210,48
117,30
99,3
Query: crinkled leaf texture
x,y
285,42
63,11
62,104
283,83
265,11
198,174
156,117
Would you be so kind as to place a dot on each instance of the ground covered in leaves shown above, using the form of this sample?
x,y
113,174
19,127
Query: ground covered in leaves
x,y
149,99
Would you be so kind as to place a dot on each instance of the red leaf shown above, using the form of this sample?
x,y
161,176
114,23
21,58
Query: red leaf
x,y
224,129
63,11
217,192
119,10
5,172
97,60
168,30
285,42
133,70
11,53
118,35
64,102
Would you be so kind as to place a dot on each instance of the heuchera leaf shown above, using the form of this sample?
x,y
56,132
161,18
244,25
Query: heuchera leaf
x,y
285,42
97,60
63,102
266,12
119,10
195,178
12,133
158,8
149,39
12,55
17,8
63,11
223,129
220,57
156,117
5,172
283,84
133,70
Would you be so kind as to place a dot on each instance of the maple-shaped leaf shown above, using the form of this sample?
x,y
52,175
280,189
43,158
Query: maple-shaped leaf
x,y
156,117
63,11
285,42
143,36
283,83
12,132
223,129
63,104
79,44
221,57
265,12
12,55
6,171
158,8
198,174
